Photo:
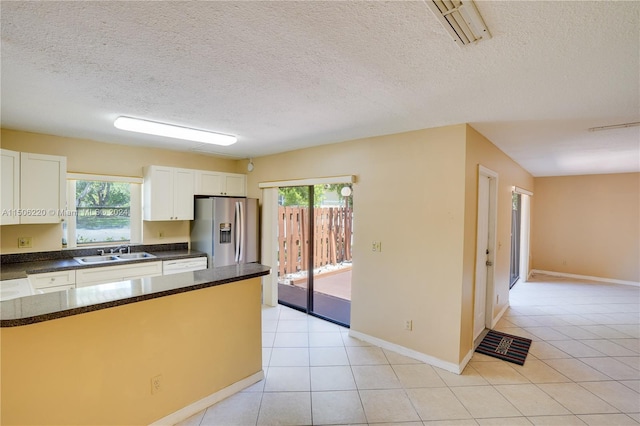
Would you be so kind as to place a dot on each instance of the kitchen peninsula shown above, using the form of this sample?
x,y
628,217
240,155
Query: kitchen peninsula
x,y
132,352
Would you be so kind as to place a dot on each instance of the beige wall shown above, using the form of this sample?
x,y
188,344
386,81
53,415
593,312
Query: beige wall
x,y
416,193
409,194
44,237
588,225
480,151
85,156
96,368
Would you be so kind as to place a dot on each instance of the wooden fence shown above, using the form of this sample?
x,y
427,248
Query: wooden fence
x,y
332,237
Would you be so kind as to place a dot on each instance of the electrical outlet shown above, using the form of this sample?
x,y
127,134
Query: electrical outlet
x,y
156,384
24,242
376,246
408,325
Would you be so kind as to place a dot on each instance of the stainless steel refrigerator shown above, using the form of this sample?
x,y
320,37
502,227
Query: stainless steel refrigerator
x,y
226,229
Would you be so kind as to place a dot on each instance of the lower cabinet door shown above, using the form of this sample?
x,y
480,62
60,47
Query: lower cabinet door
x,y
62,279
54,289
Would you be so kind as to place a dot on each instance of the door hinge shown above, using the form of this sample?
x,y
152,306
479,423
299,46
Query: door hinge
x,y
488,263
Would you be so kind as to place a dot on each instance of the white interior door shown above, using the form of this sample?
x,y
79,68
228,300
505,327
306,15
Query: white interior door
x,y
482,257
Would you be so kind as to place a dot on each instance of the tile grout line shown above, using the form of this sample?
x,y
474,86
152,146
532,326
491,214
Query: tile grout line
x,y
528,307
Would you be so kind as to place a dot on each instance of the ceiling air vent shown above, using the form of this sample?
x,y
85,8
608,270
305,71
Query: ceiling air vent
x,y
461,19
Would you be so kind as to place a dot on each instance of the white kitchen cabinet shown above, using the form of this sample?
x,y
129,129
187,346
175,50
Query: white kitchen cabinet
x,y
54,289
168,193
49,282
108,274
33,187
43,184
235,185
10,196
218,183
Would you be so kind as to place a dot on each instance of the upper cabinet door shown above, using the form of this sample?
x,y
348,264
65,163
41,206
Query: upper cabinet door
x,y
42,187
208,183
218,183
183,188
236,185
158,193
10,186
168,193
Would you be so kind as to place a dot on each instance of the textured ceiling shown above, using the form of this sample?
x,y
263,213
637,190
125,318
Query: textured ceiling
x,y
292,74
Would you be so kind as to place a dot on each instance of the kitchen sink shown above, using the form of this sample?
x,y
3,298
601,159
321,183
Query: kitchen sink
x,y
97,259
132,256
113,258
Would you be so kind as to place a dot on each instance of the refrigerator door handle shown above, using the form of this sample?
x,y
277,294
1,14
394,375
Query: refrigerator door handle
x,y
239,232
236,240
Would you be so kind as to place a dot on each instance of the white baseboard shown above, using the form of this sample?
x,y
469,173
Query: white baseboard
x,y
454,368
196,407
499,316
466,360
585,277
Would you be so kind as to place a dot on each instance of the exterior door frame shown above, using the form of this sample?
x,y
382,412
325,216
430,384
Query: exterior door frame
x,y
489,289
516,240
525,231
269,240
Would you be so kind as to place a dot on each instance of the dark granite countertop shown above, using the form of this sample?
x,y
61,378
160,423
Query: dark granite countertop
x,y
14,270
60,304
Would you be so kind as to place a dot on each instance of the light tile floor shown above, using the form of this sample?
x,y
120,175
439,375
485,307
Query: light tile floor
x,y
583,368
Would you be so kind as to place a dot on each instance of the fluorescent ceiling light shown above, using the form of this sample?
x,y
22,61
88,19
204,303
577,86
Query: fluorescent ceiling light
x,y
171,131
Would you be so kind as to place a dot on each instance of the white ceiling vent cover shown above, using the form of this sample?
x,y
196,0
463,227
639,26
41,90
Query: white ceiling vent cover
x,y
461,19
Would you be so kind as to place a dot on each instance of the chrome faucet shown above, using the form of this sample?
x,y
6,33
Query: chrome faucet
x,y
120,249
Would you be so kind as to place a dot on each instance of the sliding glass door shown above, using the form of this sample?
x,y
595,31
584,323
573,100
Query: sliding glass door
x,y
315,226
293,246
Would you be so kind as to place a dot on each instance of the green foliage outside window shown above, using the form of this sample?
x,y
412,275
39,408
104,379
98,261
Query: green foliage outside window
x,y
103,211
299,195
100,194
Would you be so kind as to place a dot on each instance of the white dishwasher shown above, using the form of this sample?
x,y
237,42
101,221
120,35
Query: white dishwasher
x,y
183,265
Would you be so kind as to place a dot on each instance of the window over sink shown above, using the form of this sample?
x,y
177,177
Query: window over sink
x,y
102,210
